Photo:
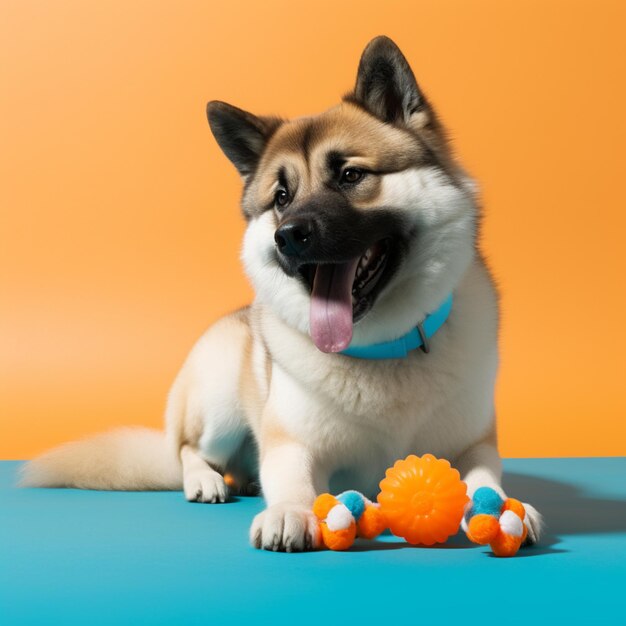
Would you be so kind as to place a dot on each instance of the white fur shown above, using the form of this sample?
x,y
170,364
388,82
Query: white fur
x,y
272,286
370,419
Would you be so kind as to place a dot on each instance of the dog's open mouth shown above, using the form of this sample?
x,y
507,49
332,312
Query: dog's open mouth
x,y
342,293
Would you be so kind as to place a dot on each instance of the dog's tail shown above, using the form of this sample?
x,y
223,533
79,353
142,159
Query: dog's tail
x,y
128,459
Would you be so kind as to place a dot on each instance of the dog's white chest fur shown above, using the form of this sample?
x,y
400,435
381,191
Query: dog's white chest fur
x,y
362,415
357,416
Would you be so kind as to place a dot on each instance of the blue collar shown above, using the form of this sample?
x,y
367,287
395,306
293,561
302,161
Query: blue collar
x,y
416,338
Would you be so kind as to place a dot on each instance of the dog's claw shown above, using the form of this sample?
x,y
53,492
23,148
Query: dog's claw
x,y
534,523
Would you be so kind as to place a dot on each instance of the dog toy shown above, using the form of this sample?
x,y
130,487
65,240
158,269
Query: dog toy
x,y
423,499
345,516
497,522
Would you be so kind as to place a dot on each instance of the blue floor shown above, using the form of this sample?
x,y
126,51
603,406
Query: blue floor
x,y
78,557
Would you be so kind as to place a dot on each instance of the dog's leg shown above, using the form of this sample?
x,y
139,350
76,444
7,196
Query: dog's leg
x,y
287,480
205,423
480,466
201,483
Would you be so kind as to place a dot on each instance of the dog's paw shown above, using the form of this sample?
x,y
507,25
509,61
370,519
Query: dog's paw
x,y
205,485
534,525
285,528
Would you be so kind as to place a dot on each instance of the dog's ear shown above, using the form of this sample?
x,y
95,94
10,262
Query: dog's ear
x,y
386,86
241,135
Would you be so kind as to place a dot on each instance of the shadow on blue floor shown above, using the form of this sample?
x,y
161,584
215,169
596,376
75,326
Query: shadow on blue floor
x,y
566,508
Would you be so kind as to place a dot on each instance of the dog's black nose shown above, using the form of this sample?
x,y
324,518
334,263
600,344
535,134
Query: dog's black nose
x,y
293,237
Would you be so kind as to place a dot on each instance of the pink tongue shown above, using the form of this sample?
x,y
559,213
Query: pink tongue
x,y
331,306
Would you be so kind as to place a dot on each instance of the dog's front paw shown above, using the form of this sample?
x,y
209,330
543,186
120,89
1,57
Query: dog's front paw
x,y
205,485
285,528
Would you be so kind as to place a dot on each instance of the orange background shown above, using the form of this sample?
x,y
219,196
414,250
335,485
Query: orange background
x,y
120,228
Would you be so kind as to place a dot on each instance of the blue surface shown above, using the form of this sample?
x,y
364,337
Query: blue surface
x,y
78,557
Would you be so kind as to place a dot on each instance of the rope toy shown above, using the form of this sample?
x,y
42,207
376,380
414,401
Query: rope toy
x,y
344,517
497,522
422,500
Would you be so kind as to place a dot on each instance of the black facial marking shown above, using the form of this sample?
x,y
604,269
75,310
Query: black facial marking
x,y
342,232
308,139
282,179
335,161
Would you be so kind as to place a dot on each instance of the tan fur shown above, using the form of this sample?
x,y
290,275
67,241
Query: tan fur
x,y
300,146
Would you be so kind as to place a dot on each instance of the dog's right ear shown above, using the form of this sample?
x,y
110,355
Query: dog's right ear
x,y
241,135
387,88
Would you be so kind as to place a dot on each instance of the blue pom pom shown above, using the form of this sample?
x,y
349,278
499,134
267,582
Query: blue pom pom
x,y
354,502
486,501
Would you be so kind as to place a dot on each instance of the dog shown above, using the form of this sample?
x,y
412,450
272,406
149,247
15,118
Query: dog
x,y
361,226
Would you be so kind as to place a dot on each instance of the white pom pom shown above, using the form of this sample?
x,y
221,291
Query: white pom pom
x,y
511,524
339,517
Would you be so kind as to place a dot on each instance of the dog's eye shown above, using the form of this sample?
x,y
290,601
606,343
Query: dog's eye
x,y
351,175
281,198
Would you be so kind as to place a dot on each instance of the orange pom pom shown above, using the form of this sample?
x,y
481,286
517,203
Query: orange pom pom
x,y
483,529
423,499
338,539
511,504
323,504
372,522
506,545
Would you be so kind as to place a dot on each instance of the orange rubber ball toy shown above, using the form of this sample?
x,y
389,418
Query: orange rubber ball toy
x,y
423,499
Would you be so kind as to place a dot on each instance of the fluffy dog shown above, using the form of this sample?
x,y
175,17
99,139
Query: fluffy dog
x,y
360,224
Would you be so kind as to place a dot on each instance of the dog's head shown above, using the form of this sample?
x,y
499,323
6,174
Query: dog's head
x,y
359,221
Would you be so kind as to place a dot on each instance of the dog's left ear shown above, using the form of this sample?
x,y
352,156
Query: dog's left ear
x,y
386,86
242,136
